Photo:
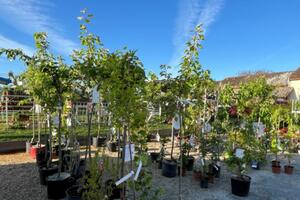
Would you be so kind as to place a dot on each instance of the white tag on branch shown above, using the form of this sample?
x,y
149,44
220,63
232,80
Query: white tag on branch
x,y
128,151
176,122
157,137
239,153
69,121
38,108
216,167
202,161
138,170
95,95
125,178
56,120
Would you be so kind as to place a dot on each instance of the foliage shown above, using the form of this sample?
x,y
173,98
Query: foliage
x,y
101,169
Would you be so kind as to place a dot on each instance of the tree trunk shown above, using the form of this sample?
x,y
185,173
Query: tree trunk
x,y
59,134
123,160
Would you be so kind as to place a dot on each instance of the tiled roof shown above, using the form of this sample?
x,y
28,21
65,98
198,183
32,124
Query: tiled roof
x,y
295,75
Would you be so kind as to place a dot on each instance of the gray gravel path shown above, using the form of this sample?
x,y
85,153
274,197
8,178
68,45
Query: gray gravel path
x,y
20,181
264,186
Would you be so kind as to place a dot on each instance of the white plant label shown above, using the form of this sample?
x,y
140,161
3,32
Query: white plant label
x,y
138,171
202,162
157,137
95,95
239,153
125,178
38,108
176,122
216,167
127,152
56,120
69,121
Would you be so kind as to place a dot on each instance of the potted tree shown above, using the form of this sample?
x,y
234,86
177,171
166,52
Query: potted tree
x,y
288,148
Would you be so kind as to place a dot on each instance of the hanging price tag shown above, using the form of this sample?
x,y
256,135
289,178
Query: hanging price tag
x,y
128,151
95,95
239,153
176,122
125,178
138,170
38,109
56,120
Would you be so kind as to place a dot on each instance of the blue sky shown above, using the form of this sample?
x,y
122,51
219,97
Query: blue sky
x,y
240,35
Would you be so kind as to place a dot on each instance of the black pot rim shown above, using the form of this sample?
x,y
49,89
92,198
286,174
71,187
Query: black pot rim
x,y
169,162
242,178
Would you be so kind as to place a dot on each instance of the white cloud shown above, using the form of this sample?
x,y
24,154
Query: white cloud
x,y
30,16
8,43
191,13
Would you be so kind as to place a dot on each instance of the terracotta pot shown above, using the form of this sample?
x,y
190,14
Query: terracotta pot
x,y
276,169
288,169
197,176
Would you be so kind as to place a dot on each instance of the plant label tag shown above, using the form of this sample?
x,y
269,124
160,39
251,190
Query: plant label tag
x,y
176,122
202,161
95,96
138,170
129,151
239,153
125,178
216,167
38,109
157,137
69,121
56,120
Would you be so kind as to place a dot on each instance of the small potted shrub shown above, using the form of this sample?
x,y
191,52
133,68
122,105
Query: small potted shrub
x,y
205,177
163,142
238,154
189,159
275,149
197,170
288,148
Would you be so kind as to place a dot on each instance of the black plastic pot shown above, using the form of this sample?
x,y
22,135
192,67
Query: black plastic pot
x,y
169,168
112,146
240,186
74,193
204,182
57,186
99,141
190,163
154,156
113,192
45,172
41,161
159,166
80,170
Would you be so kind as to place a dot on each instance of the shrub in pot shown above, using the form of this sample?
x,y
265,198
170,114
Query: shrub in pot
x,y
239,153
163,142
169,168
289,145
197,170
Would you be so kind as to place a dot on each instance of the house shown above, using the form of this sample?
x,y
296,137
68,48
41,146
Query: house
x,y
286,84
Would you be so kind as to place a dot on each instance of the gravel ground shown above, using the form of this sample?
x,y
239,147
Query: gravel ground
x,y
19,180
264,185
